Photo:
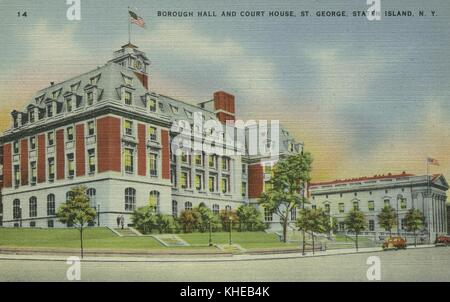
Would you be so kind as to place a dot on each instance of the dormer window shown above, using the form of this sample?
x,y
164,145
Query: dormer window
x,y
74,87
90,98
94,80
69,104
49,110
188,113
32,115
127,97
174,109
152,105
128,80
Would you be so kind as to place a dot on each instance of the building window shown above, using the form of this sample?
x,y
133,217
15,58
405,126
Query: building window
x,y
184,157
227,208
185,177
268,215
50,223
16,147
90,98
212,184
153,200
91,160
16,175
127,97
91,127
313,207
244,169
187,205
173,176
212,161
153,164
32,224
33,206
50,110
17,211
371,205
225,163
198,181
50,138
32,115
199,160
70,133
224,185
293,214
174,208
403,203
69,196
244,189
130,199
129,160
33,173
70,165
356,206
387,203
50,204
341,226
371,225
128,127
152,105
69,105
327,208
215,209
92,194
152,133
51,168
33,142
341,208
403,224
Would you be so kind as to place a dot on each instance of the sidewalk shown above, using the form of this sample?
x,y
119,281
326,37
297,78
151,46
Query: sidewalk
x,y
198,258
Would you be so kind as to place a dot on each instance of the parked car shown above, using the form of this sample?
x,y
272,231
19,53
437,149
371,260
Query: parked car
x,y
442,240
394,243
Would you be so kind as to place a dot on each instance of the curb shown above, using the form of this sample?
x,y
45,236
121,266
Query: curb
x,y
235,258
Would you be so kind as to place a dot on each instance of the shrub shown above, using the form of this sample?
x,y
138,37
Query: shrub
x,y
250,218
189,220
224,217
144,219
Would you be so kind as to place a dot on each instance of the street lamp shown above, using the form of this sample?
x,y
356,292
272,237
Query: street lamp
x,y
231,219
98,214
20,217
210,233
398,227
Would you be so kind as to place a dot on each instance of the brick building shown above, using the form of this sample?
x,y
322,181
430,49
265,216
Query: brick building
x,y
106,130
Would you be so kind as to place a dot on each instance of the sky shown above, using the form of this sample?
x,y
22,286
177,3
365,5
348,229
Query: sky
x,y
365,97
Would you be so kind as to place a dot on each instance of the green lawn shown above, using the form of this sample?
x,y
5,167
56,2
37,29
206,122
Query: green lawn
x,y
102,238
248,240
99,238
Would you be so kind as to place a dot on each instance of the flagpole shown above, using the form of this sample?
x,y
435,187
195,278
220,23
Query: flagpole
x,y
129,26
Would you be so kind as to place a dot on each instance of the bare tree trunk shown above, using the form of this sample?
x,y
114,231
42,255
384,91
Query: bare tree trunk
x,y
285,223
303,243
415,238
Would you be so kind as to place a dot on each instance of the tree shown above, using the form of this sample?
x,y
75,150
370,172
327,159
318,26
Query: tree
x,y
356,222
225,215
250,218
207,217
312,220
76,211
414,222
289,177
165,223
144,219
189,220
388,218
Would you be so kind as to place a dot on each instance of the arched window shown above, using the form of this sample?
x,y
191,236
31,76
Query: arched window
x,y
91,193
153,200
50,204
188,205
202,204
227,208
130,199
33,206
69,195
293,214
215,209
17,212
174,208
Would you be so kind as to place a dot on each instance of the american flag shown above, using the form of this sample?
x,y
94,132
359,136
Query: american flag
x,y
432,161
134,18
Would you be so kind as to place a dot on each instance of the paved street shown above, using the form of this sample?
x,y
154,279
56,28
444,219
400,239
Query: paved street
x,y
430,264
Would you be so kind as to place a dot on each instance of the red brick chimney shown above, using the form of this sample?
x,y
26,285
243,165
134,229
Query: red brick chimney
x,y
224,106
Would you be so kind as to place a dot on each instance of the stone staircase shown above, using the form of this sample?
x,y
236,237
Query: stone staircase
x,y
126,232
